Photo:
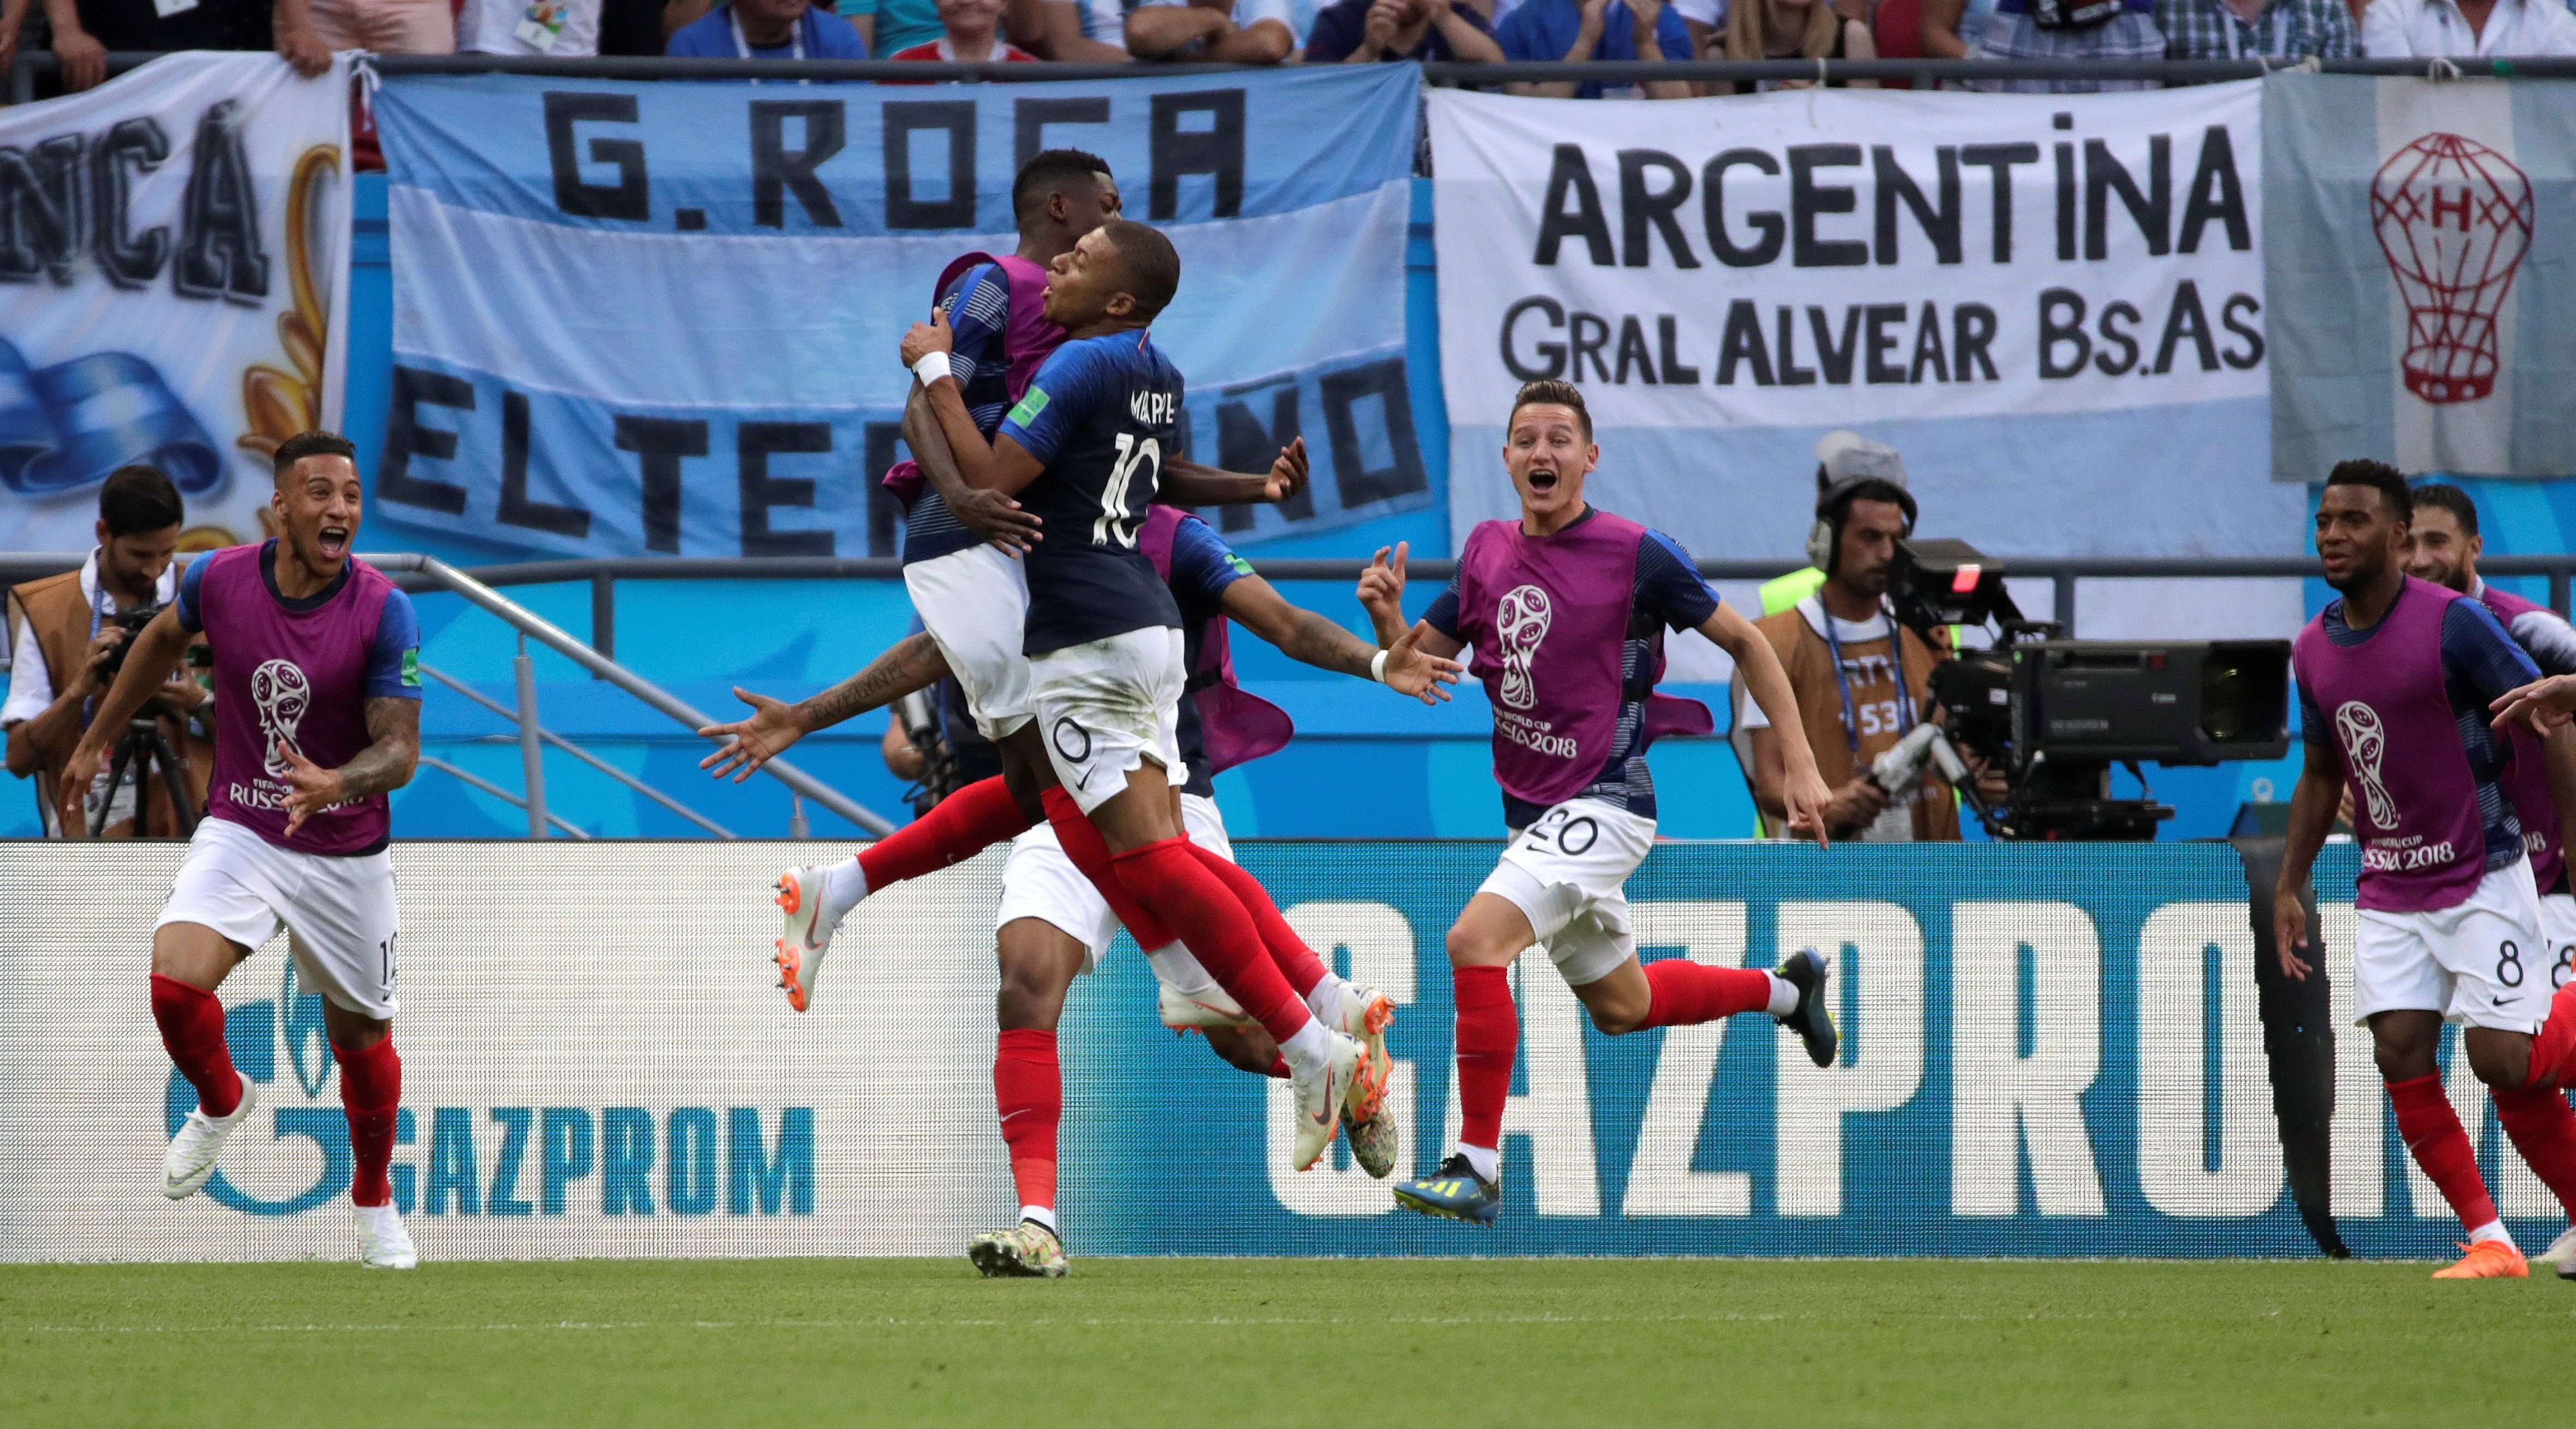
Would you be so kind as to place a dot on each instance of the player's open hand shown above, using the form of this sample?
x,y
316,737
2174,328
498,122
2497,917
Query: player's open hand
x,y
751,743
996,518
310,788
1382,584
1287,472
2290,933
927,338
2544,705
1804,796
1412,670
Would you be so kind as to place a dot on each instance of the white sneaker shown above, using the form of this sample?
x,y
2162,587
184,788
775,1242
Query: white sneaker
x,y
806,937
191,1157
2561,1254
1365,1013
1347,1083
1213,1008
383,1244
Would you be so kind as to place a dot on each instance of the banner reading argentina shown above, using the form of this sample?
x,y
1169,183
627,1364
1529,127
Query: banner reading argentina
x,y
173,245
662,318
2428,247
2052,305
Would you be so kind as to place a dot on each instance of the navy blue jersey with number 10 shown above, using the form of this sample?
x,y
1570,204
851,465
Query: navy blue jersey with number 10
x,y
1103,414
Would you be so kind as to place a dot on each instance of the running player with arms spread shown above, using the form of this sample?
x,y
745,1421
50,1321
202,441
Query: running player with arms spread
x,y
1567,609
1084,451
317,673
2395,678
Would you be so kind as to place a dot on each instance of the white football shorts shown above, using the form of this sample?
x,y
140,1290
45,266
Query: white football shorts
x,y
1107,706
1567,872
1040,882
2483,962
342,910
2558,925
975,604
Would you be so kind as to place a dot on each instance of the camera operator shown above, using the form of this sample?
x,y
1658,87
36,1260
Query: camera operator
x,y
1843,650
78,624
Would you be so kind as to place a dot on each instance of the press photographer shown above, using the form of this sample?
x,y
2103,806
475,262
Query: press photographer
x,y
79,623
1863,681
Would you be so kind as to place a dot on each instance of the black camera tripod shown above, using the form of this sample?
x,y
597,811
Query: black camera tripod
x,y
141,747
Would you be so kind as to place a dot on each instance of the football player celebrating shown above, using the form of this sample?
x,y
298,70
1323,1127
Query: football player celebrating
x,y
2393,677
317,672
1566,608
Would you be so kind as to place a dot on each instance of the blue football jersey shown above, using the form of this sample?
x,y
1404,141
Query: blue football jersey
x,y
1103,414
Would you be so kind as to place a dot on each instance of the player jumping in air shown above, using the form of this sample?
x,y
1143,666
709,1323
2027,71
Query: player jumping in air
x,y
2395,679
1053,925
317,672
1566,609
1084,450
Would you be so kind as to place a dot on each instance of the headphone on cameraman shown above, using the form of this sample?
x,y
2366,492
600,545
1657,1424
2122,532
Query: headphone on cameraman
x,y
1833,510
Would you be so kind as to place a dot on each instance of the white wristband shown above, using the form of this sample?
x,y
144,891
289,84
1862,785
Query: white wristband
x,y
1377,667
931,367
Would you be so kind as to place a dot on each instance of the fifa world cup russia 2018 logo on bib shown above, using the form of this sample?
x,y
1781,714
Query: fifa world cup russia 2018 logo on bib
x,y
279,690
2364,742
1522,621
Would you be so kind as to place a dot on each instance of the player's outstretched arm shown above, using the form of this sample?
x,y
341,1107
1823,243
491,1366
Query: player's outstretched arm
x,y
2312,816
915,663
149,659
989,514
1803,795
1002,465
1189,483
1310,639
2543,704
386,764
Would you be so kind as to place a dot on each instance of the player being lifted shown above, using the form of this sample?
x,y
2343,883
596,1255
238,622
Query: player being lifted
x,y
2395,678
1567,609
1084,450
317,672
1053,925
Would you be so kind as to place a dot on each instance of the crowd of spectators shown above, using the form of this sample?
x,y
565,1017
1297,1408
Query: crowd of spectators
x,y
307,32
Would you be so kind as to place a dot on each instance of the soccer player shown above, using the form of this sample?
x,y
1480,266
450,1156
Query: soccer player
x,y
317,672
2394,680
1566,609
1084,448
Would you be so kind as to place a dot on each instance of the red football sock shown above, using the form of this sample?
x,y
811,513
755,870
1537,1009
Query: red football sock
x,y
1172,885
1296,961
1028,1089
2434,1137
1685,993
2543,1128
2553,1047
1489,1033
1090,852
1279,1068
371,1095
192,1028
956,829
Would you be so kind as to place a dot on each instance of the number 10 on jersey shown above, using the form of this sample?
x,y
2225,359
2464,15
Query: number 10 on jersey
x,y
1115,522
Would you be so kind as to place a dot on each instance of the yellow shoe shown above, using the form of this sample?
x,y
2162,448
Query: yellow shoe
x,y
2487,1260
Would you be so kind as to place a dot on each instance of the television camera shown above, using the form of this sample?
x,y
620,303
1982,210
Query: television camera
x,y
2054,715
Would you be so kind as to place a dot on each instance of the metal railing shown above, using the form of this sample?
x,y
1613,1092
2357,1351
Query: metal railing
x,y
29,66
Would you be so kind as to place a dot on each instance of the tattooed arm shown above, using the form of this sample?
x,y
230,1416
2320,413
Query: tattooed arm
x,y
386,764
913,664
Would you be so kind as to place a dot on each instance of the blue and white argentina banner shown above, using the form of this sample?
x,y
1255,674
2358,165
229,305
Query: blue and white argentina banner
x,y
635,318
173,247
2432,234
2053,305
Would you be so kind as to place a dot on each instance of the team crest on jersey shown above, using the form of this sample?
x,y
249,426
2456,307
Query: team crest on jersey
x,y
280,694
1522,621
2364,742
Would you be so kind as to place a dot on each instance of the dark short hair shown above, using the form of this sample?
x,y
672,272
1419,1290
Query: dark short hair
x,y
138,499
304,444
2448,498
1548,392
1152,265
2379,476
1049,167
1838,501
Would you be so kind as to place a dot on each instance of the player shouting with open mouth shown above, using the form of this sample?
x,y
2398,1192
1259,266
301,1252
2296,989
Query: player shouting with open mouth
x,y
1567,608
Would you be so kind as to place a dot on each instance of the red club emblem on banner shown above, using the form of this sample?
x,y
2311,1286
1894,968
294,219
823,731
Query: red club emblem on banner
x,y
2453,218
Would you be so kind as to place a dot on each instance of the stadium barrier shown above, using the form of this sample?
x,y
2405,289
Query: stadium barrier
x,y
2048,1051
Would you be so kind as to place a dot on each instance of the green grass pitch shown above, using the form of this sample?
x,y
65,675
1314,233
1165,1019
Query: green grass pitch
x,y
1270,1342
